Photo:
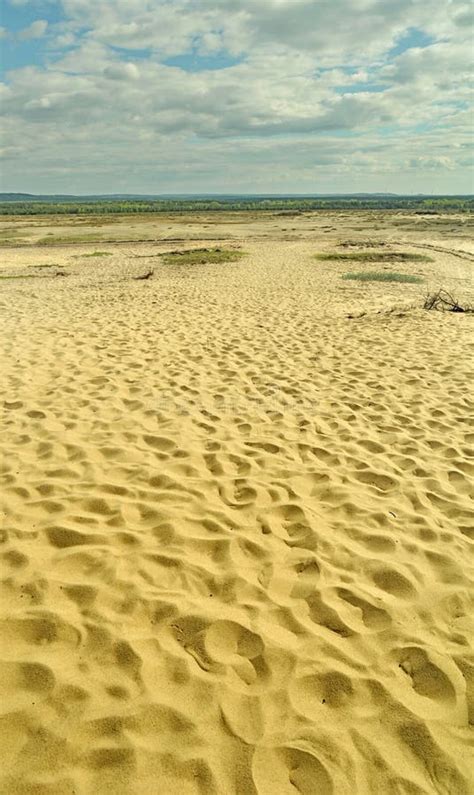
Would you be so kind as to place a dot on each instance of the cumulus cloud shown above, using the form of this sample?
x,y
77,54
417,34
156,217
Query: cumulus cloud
x,y
240,95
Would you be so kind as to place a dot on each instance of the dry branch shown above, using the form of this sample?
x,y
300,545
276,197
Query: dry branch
x,y
443,301
144,276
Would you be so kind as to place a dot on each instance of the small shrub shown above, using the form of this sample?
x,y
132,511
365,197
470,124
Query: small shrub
x,y
382,276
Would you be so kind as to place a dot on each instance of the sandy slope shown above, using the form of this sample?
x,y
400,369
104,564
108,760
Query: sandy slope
x,y
237,542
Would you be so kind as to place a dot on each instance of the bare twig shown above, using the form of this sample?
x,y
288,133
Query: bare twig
x,y
443,301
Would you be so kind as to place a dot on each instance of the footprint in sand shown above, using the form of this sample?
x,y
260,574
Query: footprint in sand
x,y
288,770
394,583
425,676
311,695
232,645
23,684
374,618
323,615
290,524
378,480
40,628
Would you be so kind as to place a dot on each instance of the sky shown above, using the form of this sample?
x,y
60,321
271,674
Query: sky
x,y
236,96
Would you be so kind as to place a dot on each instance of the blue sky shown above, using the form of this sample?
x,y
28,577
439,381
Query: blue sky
x,y
207,96
17,52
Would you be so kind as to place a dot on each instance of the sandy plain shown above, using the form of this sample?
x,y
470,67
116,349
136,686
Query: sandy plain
x,y
236,515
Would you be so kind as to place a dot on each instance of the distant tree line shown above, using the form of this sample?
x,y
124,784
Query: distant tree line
x,y
98,207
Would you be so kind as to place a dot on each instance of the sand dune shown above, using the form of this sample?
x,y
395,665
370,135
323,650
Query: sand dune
x,y
236,526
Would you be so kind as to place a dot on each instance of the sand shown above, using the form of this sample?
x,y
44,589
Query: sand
x,y
236,518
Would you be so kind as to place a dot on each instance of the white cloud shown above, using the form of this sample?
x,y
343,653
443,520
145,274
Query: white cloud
x,y
36,30
122,71
297,110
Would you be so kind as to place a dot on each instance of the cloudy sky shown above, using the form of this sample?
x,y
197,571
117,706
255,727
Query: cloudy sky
x,y
257,96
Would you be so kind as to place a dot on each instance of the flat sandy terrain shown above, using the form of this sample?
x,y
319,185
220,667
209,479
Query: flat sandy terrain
x,y
235,513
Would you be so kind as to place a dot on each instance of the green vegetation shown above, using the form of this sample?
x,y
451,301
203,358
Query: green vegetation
x,y
10,239
51,205
374,256
382,276
94,254
202,256
58,240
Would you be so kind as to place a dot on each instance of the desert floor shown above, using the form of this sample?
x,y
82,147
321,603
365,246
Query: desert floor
x,y
235,513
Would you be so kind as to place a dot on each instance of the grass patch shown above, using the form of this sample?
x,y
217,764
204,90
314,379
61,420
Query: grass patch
x,y
25,276
94,254
57,240
202,256
382,276
373,256
10,241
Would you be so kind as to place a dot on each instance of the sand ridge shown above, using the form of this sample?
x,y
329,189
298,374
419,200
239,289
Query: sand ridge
x,y
236,526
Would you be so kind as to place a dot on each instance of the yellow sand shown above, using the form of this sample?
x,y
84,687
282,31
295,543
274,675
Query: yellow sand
x,y
236,524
